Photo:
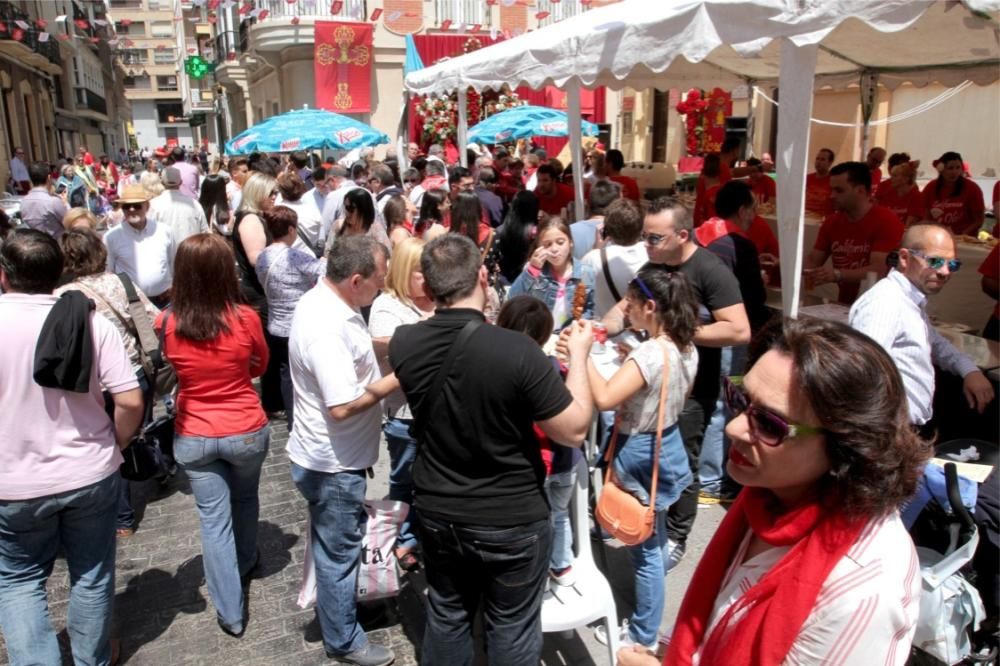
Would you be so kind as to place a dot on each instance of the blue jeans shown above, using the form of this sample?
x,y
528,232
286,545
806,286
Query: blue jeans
x,y
715,445
634,470
402,451
225,475
559,488
503,567
82,523
337,521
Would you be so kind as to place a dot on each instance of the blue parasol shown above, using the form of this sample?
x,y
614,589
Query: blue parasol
x,y
306,129
523,122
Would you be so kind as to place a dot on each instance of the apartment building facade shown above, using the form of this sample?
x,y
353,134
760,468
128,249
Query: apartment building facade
x,y
58,85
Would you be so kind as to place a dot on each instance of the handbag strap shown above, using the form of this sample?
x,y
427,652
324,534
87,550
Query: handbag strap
x,y
436,388
660,415
607,275
128,326
150,396
143,326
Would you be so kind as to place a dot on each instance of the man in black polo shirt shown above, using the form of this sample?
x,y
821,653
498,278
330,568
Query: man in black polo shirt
x,y
668,233
478,475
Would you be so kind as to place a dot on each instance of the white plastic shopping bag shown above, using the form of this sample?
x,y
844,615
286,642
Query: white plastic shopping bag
x,y
377,574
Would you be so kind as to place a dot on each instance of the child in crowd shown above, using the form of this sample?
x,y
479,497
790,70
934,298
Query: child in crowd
x,y
530,316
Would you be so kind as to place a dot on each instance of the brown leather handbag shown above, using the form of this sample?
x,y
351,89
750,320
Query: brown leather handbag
x,y
621,514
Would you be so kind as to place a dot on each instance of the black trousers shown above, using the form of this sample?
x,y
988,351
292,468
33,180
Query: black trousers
x,y
692,422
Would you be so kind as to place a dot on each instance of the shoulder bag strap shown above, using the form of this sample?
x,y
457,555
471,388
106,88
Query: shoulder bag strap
x,y
659,424
486,246
129,326
150,396
607,275
143,326
432,396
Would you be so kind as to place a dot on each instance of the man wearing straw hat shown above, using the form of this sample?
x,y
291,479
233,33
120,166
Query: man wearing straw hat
x,y
142,248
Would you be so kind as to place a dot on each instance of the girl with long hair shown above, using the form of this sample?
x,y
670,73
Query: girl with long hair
x,y
215,203
216,345
516,234
952,200
434,211
467,219
398,214
553,277
663,305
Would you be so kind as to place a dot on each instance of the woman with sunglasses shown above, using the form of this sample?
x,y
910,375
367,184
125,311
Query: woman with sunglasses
x,y
811,564
663,306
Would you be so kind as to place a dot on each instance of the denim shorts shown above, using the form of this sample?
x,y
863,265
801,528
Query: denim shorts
x,y
633,466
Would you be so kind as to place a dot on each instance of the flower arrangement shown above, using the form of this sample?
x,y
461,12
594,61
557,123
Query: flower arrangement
x,y
693,109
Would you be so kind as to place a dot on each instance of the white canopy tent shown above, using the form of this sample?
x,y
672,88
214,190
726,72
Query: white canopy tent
x,y
795,44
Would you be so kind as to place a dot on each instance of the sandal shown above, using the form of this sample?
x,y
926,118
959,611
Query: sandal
x,y
407,558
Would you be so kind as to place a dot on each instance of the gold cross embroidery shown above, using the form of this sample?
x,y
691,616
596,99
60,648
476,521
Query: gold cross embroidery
x,y
342,100
341,52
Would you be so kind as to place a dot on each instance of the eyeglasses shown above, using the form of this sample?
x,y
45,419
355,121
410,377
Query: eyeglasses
x,y
652,239
766,426
935,263
131,206
647,292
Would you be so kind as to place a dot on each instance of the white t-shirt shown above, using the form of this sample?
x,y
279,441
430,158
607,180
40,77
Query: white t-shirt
x,y
182,214
332,361
624,262
146,256
388,313
640,412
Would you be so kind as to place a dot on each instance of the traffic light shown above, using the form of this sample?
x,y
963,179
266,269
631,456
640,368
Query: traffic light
x,y
197,67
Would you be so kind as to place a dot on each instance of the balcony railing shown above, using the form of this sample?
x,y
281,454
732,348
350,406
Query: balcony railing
x,y
230,42
91,100
467,12
351,9
559,10
9,15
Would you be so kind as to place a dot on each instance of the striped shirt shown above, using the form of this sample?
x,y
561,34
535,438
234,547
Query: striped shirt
x,y
894,314
866,611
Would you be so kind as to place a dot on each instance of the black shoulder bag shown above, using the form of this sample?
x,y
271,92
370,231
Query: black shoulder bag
x,y
607,275
431,397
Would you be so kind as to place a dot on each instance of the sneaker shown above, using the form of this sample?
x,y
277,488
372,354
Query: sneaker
x,y
675,553
369,655
624,637
564,577
708,498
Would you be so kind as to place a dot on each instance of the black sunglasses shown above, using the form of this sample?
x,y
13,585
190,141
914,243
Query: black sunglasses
x,y
766,426
131,206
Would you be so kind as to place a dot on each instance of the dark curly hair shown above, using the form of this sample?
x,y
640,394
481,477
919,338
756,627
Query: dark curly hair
x,y
676,303
876,457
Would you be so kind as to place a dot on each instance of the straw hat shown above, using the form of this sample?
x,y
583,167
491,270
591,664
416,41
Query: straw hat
x,y
133,194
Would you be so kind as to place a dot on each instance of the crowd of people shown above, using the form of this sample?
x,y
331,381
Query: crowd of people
x,y
455,310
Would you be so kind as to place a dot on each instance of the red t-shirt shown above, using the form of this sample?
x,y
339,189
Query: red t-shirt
x,y
216,398
850,244
553,203
762,236
876,178
818,194
765,189
704,203
991,269
630,188
957,212
907,205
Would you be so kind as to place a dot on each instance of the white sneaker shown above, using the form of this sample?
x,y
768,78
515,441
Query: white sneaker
x,y
565,579
624,637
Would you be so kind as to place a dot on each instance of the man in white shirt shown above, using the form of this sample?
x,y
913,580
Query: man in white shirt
x,y
183,215
320,189
142,248
894,314
336,432
623,253
333,207
19,171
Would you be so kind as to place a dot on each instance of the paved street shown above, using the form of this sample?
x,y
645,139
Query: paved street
x,y
164,616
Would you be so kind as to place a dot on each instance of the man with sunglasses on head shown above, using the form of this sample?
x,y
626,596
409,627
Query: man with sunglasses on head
x,y
668,232
894,314
142,248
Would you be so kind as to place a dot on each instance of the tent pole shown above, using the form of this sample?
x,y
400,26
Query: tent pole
x,y
795,81
869,88
403,134
751,120
575,147
463,127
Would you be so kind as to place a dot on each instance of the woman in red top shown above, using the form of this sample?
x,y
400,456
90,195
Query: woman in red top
x,y
707,187
952,200
900,193
217,347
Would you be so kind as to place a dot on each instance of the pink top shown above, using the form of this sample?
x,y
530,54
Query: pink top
x,y
53,441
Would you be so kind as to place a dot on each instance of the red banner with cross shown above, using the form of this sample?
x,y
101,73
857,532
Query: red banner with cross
x,y
343,66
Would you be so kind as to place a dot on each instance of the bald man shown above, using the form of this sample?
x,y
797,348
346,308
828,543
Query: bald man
x,y
894,314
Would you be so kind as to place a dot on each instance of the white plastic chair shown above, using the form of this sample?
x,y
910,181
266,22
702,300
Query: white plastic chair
x,y
590,598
